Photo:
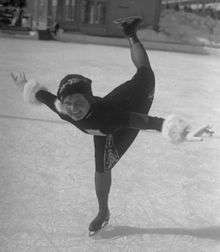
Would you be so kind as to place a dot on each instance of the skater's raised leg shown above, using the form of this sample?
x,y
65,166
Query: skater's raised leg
x,y
102,187
138,53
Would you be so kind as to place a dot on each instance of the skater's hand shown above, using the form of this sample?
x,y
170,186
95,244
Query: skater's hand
x,y
19,80
197,135
206,130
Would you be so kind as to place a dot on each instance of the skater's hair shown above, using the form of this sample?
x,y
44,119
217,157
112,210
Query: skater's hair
x,y
74,83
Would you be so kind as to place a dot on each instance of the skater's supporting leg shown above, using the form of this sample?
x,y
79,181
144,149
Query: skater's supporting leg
x,y
102,187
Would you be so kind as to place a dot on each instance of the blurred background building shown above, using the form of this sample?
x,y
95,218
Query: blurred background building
x,y
174,18
91,16
87,16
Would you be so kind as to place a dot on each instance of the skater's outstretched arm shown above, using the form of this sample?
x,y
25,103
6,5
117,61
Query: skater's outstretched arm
x,y
145,122
132,120
33,92
174,128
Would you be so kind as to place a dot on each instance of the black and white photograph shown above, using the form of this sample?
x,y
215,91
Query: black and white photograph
x,y
110,125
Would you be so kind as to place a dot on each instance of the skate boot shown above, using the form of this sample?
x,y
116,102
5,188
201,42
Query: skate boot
x,y
100,221
129,24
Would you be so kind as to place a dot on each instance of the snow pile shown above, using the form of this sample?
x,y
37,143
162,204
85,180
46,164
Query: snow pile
x,y
187,28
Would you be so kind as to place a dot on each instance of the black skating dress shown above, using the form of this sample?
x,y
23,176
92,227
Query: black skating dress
x,y
109,117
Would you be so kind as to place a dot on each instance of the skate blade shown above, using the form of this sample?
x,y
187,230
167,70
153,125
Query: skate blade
x,y
126,19
93,233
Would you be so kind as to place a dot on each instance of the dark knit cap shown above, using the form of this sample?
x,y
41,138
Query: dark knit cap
x,y
74,83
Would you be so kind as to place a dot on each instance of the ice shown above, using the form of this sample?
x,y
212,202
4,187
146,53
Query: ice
x,y
163,198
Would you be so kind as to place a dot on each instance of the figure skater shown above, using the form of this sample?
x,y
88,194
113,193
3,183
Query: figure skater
x,y
114,120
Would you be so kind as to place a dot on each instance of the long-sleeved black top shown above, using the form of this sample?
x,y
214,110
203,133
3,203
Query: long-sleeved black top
x,y
104,118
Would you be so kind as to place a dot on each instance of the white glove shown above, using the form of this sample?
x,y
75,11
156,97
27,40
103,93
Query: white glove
x,y
177,130
28,87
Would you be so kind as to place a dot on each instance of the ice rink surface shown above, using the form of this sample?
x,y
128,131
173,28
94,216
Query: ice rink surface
x,y
164,197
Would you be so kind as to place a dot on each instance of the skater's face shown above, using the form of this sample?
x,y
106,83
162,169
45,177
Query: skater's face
x,y
76,106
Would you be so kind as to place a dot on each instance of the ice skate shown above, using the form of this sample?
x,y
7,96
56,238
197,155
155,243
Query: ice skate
x,y
98,223
129,24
